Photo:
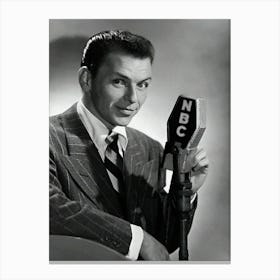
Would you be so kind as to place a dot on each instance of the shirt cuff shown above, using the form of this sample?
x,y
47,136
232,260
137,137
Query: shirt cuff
x,y
136,242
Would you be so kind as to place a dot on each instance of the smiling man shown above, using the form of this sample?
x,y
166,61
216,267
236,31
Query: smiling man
x,y
106,180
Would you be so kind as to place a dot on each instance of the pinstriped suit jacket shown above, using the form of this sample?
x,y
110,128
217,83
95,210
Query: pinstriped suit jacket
x,y
82,200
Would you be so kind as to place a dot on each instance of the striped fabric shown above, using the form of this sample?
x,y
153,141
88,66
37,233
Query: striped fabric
x,y
114,163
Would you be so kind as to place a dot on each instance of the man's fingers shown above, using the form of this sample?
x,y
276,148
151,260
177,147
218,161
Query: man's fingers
x,y
201,165
198,159
195,159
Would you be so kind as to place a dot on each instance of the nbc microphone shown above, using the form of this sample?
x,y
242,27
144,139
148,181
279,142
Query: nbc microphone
x,y
185,128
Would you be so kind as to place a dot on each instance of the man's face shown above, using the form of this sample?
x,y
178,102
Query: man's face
x,y
120,88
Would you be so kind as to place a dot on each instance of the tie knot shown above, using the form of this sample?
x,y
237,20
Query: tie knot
x,y
112,142
112,137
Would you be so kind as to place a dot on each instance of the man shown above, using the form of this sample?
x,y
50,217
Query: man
x,y
114,196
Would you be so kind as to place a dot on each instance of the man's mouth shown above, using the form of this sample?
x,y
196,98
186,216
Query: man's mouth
x,y
126,111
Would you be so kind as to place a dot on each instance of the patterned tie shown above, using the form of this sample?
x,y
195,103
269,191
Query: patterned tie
x,y
114,164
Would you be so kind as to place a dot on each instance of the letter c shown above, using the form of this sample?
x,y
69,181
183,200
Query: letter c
x,y
178,131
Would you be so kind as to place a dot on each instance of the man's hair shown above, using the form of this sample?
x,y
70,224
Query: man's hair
x,y
105,42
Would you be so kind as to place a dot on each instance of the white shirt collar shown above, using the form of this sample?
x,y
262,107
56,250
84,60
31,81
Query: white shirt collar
x,y
98,131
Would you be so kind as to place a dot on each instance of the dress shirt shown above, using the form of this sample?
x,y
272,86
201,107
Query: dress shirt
x,y
98,133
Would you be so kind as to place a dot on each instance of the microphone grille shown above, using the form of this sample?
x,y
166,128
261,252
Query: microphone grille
x,y
201,123
196,138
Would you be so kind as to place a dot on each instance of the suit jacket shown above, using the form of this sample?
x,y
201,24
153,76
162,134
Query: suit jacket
x,y
82,200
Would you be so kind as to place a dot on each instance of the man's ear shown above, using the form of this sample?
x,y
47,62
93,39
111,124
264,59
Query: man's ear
x,y
85,79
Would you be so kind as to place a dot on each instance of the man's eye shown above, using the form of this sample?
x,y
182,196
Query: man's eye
x,y
119,82
143,85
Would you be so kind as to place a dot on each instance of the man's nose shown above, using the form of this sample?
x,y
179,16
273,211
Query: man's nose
x,y
131,94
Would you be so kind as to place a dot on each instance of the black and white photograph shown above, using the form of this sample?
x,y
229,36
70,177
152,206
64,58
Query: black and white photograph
x,y
140,140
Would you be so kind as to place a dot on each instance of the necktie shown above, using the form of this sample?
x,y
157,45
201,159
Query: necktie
x,y
114,164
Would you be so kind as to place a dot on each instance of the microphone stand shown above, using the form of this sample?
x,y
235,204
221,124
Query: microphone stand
x,y
183,187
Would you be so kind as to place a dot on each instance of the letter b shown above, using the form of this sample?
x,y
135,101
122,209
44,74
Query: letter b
x,y
184,118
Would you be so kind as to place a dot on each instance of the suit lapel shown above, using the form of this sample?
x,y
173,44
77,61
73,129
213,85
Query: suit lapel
x,y
136,160
86,166
137,175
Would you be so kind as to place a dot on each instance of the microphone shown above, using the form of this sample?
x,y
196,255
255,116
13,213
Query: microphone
x,y
185,127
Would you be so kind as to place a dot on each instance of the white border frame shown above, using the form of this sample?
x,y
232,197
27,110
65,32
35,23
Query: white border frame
x,y
254,138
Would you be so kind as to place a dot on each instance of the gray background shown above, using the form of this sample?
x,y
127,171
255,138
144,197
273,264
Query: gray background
x,y
192,58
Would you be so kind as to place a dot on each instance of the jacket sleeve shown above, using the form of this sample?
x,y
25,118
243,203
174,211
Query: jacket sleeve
x,y
70,217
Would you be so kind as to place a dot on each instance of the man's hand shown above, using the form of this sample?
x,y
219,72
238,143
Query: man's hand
x,y
197,163
153,250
